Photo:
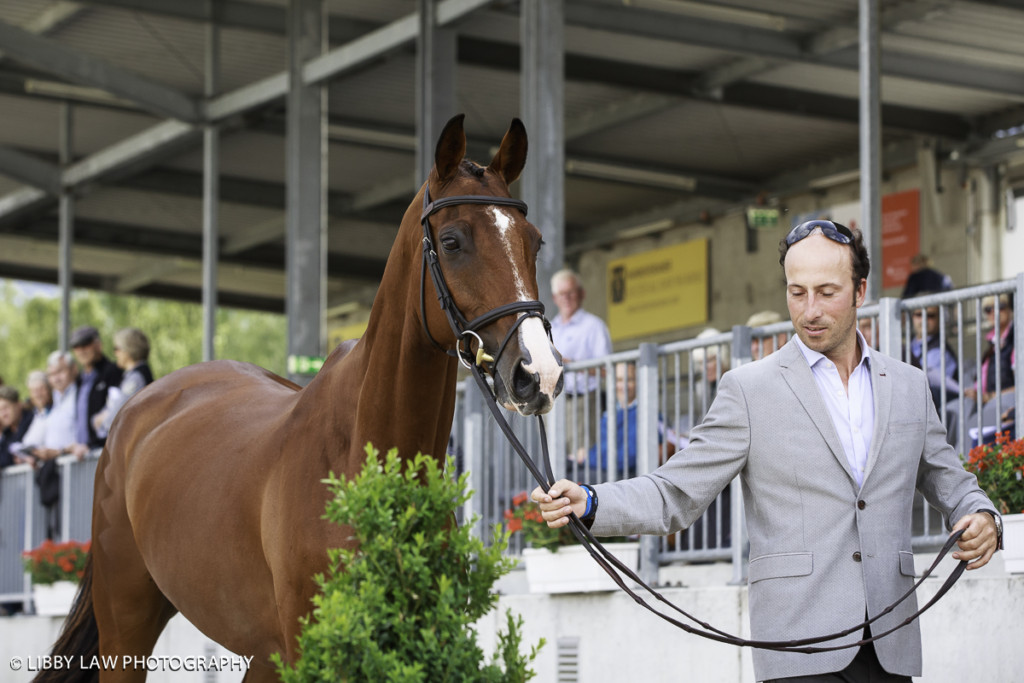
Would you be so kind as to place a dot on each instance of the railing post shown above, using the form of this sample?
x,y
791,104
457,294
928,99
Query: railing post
x,y
889,327
1018,346
473,457
647,444
557,439
741,338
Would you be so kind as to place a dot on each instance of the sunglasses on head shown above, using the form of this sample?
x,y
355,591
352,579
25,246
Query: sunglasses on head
x,y
834,231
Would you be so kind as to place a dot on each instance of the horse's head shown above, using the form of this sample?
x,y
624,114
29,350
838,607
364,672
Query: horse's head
x,y
487,256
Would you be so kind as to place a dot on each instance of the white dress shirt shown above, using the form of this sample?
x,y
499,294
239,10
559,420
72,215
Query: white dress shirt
x,y
852,407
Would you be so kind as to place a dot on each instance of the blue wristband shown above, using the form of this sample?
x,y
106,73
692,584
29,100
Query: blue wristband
x,y
590,500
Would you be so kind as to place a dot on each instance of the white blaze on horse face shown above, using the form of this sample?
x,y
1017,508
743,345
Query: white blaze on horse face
x,y
532,336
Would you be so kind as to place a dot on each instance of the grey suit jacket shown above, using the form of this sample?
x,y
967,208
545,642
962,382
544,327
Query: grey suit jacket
x,y
822,552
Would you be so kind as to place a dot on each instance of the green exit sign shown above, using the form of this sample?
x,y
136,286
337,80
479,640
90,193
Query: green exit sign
x,y
304,365
758,217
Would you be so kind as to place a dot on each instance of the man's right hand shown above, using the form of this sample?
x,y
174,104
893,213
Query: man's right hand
x,y
559,501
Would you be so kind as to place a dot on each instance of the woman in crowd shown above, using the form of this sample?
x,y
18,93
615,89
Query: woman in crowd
x,y
131,351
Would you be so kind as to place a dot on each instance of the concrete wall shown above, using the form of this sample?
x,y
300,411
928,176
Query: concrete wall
x,y
976,632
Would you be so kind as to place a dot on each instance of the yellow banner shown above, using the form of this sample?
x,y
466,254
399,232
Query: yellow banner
x,y
336,335
658,291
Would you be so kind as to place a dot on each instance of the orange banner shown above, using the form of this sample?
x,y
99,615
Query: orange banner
x,y
901,235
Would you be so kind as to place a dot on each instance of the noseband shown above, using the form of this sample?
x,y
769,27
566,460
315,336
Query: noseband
x,y
461,327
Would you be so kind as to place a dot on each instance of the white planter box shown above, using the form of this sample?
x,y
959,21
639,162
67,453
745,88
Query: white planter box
x,y
54,599
573,570
1013,543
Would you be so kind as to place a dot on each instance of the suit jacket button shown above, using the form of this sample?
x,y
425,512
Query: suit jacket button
x,y
861,505
856,556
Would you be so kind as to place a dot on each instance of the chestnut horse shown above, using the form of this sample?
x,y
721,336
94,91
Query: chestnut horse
x,y
208,496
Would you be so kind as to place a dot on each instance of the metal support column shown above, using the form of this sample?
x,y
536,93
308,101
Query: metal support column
x,y
435,85
211,195
305,252
871,142
543,106
66,229
647,445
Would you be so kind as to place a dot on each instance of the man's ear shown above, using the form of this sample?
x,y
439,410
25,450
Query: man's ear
x,y
860,293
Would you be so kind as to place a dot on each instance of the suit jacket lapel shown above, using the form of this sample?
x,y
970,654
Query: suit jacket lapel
x,y
881,390
800,379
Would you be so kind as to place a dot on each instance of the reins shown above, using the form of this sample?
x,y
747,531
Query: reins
x,y
612,565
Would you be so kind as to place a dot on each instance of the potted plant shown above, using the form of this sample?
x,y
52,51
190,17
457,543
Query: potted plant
x,y
555,562
55,569
999,467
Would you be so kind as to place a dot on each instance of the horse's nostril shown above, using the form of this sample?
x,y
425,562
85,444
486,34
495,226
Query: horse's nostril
x,y
524,383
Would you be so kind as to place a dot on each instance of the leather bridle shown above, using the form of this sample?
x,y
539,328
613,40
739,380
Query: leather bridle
x,y
461,327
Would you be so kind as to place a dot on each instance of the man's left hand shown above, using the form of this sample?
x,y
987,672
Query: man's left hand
x,y
978,543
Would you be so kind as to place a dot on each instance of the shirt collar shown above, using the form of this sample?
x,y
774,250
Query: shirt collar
x,y
812,357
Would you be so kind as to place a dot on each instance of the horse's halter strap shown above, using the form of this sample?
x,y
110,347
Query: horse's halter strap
x,y
460,326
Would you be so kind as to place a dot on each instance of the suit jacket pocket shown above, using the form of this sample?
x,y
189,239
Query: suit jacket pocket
x,y
907,563
779,566
914,426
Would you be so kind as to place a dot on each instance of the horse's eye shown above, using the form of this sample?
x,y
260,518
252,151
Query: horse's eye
x,y
449,244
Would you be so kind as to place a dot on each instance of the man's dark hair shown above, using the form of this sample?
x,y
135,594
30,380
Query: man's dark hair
x,y
858,255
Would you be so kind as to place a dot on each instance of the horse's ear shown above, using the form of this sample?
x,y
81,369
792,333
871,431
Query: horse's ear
x,y
451,147
511,156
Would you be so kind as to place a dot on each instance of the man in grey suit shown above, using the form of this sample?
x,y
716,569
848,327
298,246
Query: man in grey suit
x,y
830,439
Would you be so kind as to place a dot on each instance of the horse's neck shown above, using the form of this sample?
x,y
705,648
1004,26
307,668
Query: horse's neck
x,y
393,388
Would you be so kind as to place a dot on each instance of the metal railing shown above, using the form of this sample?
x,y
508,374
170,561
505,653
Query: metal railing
x,y
23,519
675,384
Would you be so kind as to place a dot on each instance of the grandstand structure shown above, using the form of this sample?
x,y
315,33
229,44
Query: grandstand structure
x,y
260,153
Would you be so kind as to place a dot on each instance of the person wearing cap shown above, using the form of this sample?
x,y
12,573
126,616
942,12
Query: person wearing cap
x,y
831,441
924,278
98,374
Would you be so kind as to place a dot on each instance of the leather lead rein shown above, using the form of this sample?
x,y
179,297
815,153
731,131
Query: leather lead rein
x,y
611,564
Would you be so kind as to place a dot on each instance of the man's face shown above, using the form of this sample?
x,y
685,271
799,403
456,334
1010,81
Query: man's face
x,y
59,376
933,321
10,413
625,383
39,392
88,354
568,297
821,297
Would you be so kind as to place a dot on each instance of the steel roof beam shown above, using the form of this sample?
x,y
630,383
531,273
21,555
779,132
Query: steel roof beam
x,y
30,169
773,45
84,69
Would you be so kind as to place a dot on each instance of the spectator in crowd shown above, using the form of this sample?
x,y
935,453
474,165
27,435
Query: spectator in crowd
x,y
41,400
579,335
993,380
924,278
98,374
828,505
707,371
926,350
61,423
763,346
131,351
15,421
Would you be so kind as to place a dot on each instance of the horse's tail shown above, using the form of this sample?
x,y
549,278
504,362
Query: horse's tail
x,y
79,639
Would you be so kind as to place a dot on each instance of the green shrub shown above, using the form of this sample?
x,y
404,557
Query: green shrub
x,y
402,607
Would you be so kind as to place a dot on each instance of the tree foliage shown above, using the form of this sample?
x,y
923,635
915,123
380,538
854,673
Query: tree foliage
x,y
29,329
402,607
